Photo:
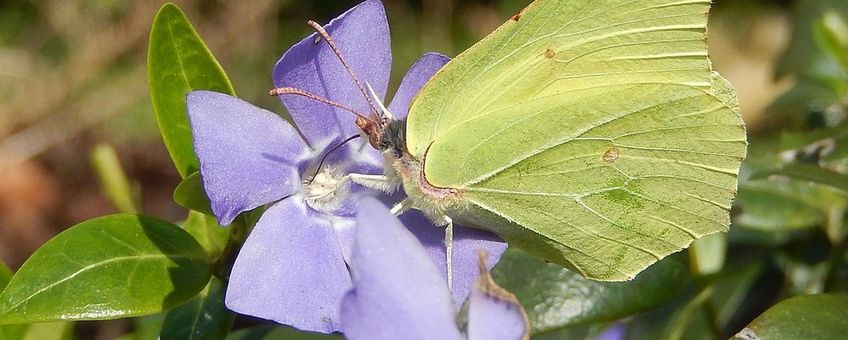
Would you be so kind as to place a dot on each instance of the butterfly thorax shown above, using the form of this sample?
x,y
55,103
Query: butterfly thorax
x,y
433,201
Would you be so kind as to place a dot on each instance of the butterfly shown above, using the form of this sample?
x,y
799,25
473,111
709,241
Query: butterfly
x,y
594,134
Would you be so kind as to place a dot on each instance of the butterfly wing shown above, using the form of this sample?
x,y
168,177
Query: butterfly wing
x,y
593,133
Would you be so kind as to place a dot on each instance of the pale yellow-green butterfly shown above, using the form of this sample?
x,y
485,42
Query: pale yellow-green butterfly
x,y
593,133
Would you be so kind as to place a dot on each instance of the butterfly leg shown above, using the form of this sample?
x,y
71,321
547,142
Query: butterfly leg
x,y
401,207
449,250
376,182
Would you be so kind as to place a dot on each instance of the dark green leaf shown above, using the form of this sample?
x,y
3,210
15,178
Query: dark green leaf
x,y
587,332
555,297
146,328
813,173
820,316
277,332
105,268
177,63
207,232
203,317
190,194
698,315
775,205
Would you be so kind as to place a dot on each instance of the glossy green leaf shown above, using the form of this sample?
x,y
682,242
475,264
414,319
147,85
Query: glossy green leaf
x,y
9,332
110,267
203,317
278,332
555,297
113,182
190,194
820,316
207,232
178,62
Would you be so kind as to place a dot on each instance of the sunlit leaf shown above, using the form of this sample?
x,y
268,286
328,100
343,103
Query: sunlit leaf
x,y
178,62
105,268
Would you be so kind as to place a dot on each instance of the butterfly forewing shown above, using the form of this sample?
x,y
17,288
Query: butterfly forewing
x,y
596,127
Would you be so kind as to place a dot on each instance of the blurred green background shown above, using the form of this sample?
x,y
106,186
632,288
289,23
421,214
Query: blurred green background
x,y
73,75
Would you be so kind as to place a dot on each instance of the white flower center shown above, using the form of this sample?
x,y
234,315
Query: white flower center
x,y
326,191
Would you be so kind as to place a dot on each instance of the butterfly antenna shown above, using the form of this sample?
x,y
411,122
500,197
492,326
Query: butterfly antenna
x,y
323,33
291,90
321,163
385,111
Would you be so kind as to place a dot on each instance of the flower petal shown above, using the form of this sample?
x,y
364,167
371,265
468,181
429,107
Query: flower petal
x,y
414,80
493,312
248,156
290,270
362,36
466,244
398,293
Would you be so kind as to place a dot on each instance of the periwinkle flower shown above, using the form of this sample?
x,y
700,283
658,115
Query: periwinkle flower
x,y
293,267
399,294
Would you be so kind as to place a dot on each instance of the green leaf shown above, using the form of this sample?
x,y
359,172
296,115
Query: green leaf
x,y
191,195
146,328
106,268
9,332
831,34
706,255
556,298
802,55
277,332
178,62
775,205
207,232
112,179
694,315
203,317
820,316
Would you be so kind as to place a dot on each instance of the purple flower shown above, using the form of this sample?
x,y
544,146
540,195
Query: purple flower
x,y
399,294
293,267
